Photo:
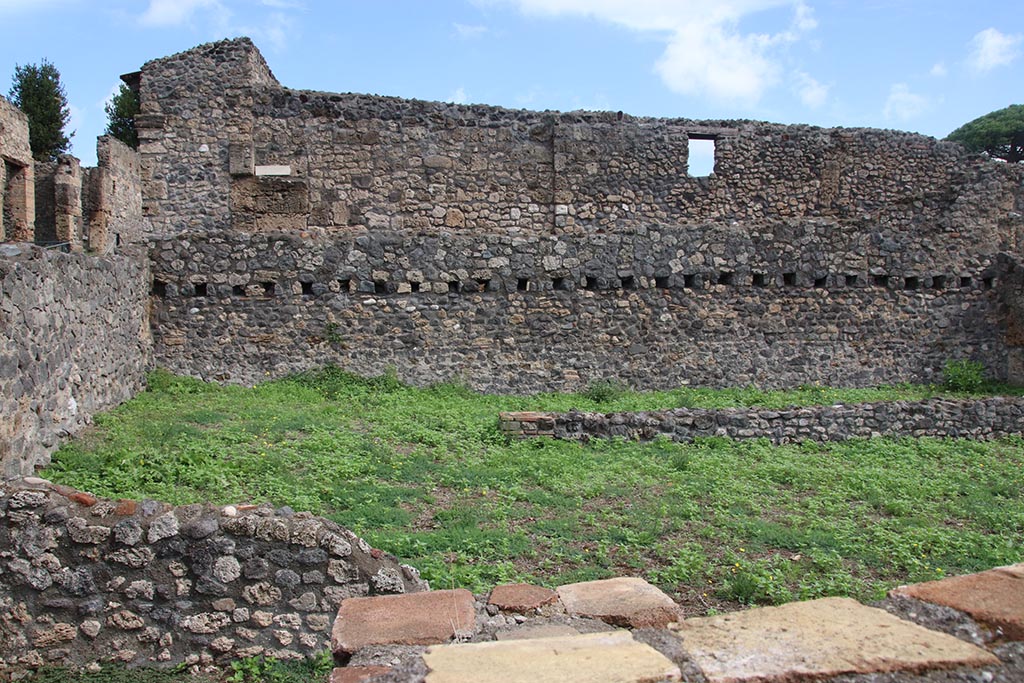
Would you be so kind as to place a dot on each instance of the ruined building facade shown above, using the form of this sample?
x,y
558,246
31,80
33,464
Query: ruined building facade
x,y
526,251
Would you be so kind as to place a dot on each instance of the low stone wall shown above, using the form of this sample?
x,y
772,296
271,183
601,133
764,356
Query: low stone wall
x,y
85,581
988,418
74,340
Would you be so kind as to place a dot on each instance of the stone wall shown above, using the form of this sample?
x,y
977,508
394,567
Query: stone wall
x,y
220,131
58,192
529,313
17,170
983,419
84,582
74,340
113,202
531,251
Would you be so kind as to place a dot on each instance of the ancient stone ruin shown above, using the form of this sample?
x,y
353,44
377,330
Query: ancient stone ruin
x,y
261,230
513,250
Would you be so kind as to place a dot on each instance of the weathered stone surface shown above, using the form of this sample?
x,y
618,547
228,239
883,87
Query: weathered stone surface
x,y
182,596
533,632
625,601
413,619
76,343
817,639
611,657
357,674
989,418
994,597
521,597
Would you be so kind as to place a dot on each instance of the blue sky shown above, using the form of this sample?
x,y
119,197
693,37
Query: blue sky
x,y
921,65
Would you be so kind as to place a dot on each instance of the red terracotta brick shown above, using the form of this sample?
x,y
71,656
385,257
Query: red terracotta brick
x,y
521,597
995,597
411,619
83,499
125,507
357,674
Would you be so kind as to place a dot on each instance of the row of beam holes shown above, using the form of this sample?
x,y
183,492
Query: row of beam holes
x,y
627,282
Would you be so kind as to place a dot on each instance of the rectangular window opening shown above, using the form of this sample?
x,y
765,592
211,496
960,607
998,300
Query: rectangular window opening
x,y
200,289
938,281
725,277
700,156
483,284
380,287
522,284
627,282
851,280
911,283
237,290
269,288
988,282
760,279
820,282
880,280
414,287
661,281
454,287
591,283
307,289
789,279
159,288
690,281
559,283
965,282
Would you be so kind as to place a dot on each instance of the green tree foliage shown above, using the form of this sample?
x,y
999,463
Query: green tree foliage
x,y
121,112
37,90
999,133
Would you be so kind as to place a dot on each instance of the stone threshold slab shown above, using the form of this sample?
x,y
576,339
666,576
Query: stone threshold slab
x,y
818,639
612,657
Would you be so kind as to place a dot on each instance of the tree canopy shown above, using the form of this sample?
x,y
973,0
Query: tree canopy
x,y
121,111
999,133
37,90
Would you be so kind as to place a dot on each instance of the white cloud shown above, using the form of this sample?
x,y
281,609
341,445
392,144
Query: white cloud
x,y
467,32
275,31
902,104
990,48
706,52
939,70
812,93
458,96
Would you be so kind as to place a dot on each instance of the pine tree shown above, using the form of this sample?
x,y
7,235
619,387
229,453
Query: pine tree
x,y
37,90
999,133
121,111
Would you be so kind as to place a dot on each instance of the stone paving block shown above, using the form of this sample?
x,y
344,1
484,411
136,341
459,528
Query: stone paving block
x,y
410,619
607,657
521,597
357,674
818,639
540,631
995,597
623,601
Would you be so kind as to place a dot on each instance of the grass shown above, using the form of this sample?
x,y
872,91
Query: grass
x,y
425,474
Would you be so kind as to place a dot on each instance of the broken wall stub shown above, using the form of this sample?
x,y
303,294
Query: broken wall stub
x,y
17,174
113,197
